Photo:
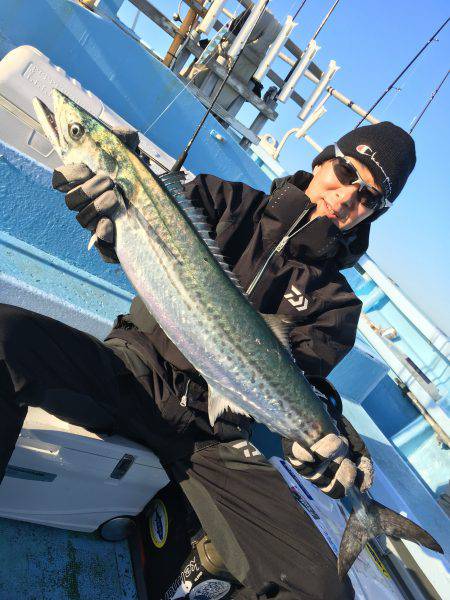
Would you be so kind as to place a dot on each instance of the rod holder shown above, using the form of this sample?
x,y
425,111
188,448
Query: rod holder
x,y
309,122
211,17
308,55
324,80
300,131
312,143
242,37
274,48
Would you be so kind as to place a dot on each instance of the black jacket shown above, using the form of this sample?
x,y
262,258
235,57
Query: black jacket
x,y
302,279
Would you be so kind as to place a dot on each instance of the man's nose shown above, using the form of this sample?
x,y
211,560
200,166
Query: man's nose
x,y
347,195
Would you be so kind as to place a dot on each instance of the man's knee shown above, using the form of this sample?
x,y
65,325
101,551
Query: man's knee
x,y
23,349
14,329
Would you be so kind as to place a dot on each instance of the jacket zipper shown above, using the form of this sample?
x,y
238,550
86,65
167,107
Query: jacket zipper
x,y
184,397
279,247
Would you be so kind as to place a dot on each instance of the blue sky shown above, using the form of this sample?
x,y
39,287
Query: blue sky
x,y
373,42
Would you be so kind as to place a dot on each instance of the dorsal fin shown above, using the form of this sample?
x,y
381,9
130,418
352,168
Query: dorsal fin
x,y
281,326
198,219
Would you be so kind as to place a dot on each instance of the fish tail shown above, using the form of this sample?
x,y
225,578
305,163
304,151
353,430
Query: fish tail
x,y
380,519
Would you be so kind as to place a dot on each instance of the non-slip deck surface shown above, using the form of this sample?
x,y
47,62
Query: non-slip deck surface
x,y
44,563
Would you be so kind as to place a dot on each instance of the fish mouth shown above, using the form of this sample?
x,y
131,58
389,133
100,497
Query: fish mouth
x,y
48,122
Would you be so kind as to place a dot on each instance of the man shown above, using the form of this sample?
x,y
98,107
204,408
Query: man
x,y
287,250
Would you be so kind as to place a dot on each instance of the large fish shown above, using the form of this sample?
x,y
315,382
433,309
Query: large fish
x,y
165,249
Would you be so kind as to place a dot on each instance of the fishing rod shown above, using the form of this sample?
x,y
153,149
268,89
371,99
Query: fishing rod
x,y
318,30
299,9
388,89
429,102
182,158
325,19
205,57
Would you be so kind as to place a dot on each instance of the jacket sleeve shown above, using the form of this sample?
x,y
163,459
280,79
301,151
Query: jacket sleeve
x,y
320,344
227,200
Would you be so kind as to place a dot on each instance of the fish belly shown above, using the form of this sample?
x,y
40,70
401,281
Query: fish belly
x,y
215,328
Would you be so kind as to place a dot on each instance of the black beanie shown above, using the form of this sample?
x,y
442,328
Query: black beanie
x,y
386,150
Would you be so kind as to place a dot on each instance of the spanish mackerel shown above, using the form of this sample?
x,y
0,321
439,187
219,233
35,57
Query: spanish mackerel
x,y
165,249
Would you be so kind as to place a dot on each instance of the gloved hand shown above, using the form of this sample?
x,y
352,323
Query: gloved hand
x,y
335,462
93,197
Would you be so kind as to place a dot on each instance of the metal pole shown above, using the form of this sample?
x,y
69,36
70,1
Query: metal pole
x,y
274,48
291,81
326,77
210,17
184,30
355,107
442,436
300,131
135,20
388,89
330,90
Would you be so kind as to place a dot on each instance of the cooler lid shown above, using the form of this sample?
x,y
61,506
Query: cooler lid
x,y
41,427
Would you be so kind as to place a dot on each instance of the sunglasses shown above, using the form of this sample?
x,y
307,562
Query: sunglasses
x,y
348,174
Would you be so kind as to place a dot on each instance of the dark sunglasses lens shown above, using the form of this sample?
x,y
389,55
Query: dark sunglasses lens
x,y
347,174
344,172
369,200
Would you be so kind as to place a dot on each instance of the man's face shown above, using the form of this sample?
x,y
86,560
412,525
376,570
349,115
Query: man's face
x,y
336,201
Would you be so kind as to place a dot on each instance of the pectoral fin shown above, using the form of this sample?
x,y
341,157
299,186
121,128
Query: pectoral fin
x,y
281,326
218,403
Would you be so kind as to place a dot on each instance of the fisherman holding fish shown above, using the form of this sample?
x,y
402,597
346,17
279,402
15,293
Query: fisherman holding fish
x,y
286,250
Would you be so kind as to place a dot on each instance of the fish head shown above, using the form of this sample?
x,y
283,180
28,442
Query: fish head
x,y
76,135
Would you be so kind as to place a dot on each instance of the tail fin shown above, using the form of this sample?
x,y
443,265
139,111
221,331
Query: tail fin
x,y
379,520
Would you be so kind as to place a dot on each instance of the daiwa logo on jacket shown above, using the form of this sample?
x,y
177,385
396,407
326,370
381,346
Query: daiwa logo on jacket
x,y
297,299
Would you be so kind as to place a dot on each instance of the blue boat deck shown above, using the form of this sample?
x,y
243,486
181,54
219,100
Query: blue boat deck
x,y
44,563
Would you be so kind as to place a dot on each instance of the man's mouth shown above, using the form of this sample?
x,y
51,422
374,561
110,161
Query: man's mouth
x,y
48,123
331,212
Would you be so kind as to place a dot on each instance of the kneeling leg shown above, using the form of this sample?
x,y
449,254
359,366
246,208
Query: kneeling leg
x,y
48,364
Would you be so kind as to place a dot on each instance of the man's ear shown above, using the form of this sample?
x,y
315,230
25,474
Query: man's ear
x,y
316,169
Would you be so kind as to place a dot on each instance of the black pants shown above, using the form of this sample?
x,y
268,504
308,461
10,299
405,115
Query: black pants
x,y
244,506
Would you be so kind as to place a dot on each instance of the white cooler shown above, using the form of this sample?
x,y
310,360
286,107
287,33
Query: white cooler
x,y
64,476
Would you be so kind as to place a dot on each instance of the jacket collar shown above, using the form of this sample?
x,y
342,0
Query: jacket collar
x,y
310,241
319,239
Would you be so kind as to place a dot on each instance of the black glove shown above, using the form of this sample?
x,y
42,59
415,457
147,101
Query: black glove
x,y
335,462
94,196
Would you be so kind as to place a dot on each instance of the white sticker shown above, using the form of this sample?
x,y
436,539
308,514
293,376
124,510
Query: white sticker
x,y
212,589
181,592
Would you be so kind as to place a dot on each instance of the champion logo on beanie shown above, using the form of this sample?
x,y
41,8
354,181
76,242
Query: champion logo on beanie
x,y
386,182
385,149
364,149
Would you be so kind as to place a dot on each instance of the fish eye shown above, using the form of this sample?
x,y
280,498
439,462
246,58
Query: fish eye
x,y
76,130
